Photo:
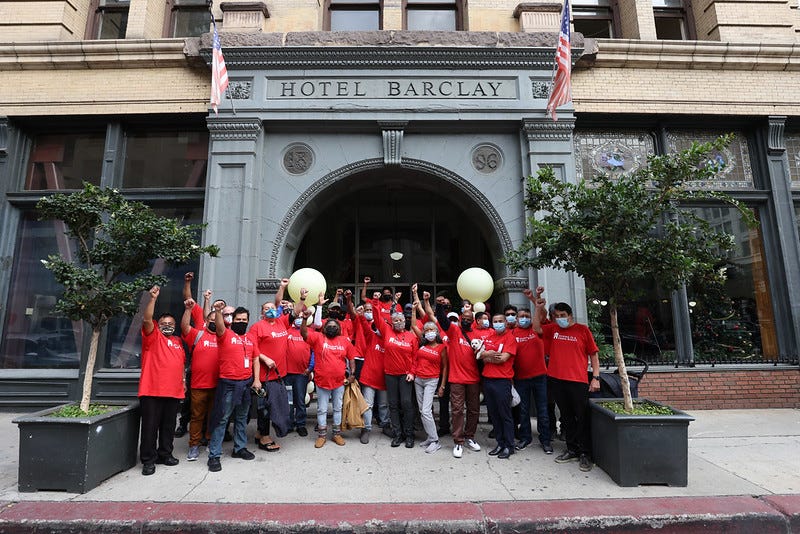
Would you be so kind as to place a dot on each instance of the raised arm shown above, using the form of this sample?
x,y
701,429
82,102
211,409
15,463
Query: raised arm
x,y
149,310
186,319
367,280
187,285
280,292
415,301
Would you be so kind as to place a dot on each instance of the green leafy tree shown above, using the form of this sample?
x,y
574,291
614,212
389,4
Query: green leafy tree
x,y
617,232
116,241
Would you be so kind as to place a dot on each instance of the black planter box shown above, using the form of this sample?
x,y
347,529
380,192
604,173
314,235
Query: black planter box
x,y
640,449
76,455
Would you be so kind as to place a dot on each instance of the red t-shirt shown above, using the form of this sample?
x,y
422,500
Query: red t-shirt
x,y
505,342
298,354
346,325
236,355
569,350
428,361
400,348
462,367
529,361
197,316
272,340
330,357
205,358
372,372
385,308
163,360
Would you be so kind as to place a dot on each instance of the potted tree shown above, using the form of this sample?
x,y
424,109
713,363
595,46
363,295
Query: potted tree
x,y
617,232
115,241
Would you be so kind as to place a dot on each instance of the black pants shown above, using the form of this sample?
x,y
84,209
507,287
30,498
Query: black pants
x,y
497,394
158,427
572,399
186,405
400,394
444,409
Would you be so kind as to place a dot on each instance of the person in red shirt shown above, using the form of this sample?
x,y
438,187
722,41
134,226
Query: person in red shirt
x,y
204,373
161,386
236,354
571,344
384,305
333,353
499,350
372,378
530,377
298,370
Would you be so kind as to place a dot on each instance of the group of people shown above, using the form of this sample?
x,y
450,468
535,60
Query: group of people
x,y
398,354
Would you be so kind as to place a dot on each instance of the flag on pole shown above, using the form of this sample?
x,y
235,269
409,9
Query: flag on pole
x,y
561,91
219,73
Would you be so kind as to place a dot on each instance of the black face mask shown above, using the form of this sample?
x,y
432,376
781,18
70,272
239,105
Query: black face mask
x,y
466,325
212,326
239,328
386,298
331,331
333,314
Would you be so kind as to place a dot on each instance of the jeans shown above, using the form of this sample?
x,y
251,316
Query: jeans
x,y
239,413
370,394
497,393
538,387
323,397
297,413
401,405
426,388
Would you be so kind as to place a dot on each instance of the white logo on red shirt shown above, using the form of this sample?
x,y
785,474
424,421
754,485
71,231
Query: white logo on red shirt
x,y
557,335
279,334
399,342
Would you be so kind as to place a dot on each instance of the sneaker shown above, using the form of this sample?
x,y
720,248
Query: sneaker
x,y
547,448
214,464
338,439
522,444
409,443
584,463
168,460
472,445
397,441
458,451
364,437
425,443
567,456
148,469
433,447
243,454
302,431
194,452
320,442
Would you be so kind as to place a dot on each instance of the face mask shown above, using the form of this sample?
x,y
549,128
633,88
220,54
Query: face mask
x,y
333,314
524,322
212,327
167,330
239,328
485,323
287,311
298,322
386,298
463,310
499,327
466,325
271,313
399,327
430,336
511,319
228,319
368,316
331,330
563,322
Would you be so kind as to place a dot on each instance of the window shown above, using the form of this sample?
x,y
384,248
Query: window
x,y
433,15
110,20
354,15
593,18
188,18
65,161
165,159
670,18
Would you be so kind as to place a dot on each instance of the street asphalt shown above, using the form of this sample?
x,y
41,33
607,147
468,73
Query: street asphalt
x,y
744,476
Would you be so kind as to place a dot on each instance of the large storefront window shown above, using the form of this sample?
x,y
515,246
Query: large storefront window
x,y
65,161
34,335
165,159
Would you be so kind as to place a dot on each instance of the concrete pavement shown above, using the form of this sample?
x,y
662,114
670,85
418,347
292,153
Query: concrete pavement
x,y
744,473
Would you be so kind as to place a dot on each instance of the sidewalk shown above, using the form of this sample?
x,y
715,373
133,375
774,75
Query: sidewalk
x,y
744,476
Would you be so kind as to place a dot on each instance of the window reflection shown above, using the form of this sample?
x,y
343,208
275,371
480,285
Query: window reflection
x,y
65,161
190,18
34,335
354,15
165,159
112,19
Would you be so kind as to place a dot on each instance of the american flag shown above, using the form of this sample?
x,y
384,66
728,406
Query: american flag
x,y
561,93
219,73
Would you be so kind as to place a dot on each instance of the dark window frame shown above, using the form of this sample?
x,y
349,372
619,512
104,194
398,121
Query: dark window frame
x,y
97,8
334,5
457,6
173,7
582,12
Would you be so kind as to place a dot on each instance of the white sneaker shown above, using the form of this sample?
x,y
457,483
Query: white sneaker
x,y
473,445
425,443
194,452
433,447
457,451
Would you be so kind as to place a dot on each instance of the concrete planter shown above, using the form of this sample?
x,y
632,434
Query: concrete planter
x,y
640,449
76,455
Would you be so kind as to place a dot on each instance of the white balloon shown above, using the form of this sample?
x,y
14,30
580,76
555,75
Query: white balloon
x,y
308,399
307,278
481,397
479,307
475,285
310,318
310,388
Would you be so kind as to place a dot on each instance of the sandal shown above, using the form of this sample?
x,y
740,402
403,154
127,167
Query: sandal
x,y
270,446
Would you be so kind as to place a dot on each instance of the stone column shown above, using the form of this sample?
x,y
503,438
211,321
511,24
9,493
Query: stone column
x,y
231,209
549,144
637,20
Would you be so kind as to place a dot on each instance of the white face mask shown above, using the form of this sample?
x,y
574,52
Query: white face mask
x,y
430,336
368,316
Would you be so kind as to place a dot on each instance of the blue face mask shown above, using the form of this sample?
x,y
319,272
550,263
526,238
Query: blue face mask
x,y
298,322
485,323
499,327
368,316
511,319
271,313
563,322
524,322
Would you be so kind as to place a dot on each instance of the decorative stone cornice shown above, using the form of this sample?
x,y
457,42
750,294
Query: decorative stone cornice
x,y
511,283
230,129
776,142
267,285
545,129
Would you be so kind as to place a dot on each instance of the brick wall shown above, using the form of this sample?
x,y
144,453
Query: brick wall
x,y
691,389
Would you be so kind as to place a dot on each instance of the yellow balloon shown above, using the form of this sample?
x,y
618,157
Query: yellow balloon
x,y
307,278
479,307
475,285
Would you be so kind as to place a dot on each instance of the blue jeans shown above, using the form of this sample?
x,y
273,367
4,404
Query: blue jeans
x,y
323,396
297,414
239,412
538,387
370,394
